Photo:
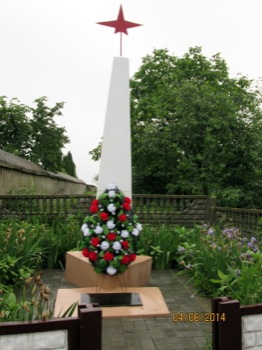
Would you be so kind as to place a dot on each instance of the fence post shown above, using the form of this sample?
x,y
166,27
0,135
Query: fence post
x,y
227,335
90,317
210,210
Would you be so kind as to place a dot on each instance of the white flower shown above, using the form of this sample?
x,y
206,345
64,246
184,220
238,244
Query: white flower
x,y
139,227
98,229
104,245
85,230
84,227
124,233
111,186
111,270
135,232
111,194
111,207
110,224
117,245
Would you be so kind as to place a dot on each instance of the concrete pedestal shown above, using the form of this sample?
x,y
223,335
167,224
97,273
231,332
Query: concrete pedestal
x,y
152,299
80,272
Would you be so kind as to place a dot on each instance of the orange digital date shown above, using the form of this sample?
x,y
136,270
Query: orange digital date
x,y
198,317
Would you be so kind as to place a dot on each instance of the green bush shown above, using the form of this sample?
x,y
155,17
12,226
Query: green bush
x,y
20,251
32,303
31,245
61,235
161,243
223,262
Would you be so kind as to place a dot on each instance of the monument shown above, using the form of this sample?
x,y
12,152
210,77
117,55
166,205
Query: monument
x,y
115,163
115,172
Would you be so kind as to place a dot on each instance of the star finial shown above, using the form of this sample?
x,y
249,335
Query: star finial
x,y
120,25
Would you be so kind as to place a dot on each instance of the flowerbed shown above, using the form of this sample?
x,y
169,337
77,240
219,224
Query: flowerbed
x,y
223,262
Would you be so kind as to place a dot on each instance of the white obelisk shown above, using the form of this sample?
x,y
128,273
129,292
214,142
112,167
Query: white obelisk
x,y
115,162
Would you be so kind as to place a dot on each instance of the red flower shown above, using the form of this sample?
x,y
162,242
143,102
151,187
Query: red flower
x,y
132,257
126,206
104,216
95,202
108,256
93,256
85,252
122,217
125,244
127,200
94,209
111,236
95,241
125,260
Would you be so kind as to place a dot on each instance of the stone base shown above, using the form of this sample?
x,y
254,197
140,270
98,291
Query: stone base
x,y
152,300
80,272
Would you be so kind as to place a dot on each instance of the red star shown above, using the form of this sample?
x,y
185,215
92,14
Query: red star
x,y
120,25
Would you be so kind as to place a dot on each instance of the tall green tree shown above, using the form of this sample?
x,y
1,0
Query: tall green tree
x,y
32,133
195,130
69,166
15,129
48,138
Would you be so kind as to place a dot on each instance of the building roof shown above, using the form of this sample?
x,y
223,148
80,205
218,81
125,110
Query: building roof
x,y
9,160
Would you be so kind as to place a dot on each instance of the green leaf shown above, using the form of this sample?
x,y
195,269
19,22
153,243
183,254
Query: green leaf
x,y
216,281
222,275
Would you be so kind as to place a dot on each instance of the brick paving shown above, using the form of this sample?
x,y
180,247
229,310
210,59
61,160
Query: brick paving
x,y
153,333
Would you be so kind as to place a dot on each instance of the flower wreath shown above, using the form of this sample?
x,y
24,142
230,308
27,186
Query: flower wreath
x,y
111,232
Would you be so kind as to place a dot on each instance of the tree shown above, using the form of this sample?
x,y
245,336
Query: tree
x,y
69,165
195,130
48,138
15,130
32,133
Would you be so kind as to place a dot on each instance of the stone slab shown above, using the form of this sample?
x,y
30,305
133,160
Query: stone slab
x,y
80,272
152,299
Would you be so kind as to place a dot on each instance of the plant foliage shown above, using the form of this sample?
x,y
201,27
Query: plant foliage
x,y
195,130
32,133
223,262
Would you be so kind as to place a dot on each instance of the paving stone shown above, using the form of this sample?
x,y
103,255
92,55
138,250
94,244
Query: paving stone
x,y
188,343
200,341
128,326
133,342
140,324
147,344
173,346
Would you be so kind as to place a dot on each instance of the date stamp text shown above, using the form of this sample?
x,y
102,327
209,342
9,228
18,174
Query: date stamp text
x,y
198,317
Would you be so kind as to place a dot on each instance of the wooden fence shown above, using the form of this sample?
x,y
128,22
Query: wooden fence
x,y
236,327
151,209
77,333
248,221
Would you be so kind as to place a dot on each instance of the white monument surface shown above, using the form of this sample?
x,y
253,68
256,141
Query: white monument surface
x,y
115,163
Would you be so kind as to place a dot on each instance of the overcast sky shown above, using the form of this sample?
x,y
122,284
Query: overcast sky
x,y
54,48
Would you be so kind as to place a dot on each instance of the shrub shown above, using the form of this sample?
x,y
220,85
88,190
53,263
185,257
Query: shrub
x,y
223,262
161,243
20,250
31,304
